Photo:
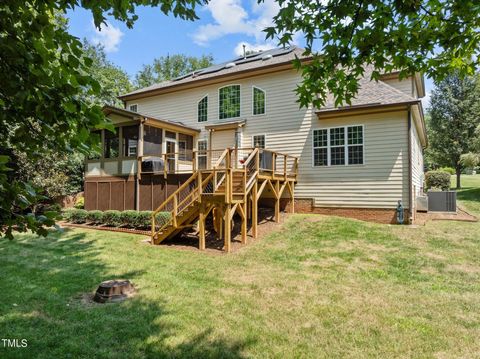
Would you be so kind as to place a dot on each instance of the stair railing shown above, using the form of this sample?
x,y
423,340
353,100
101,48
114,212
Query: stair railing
x,y
179,200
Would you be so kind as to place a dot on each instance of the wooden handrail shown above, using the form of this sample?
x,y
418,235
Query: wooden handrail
x,y
169,198
222,156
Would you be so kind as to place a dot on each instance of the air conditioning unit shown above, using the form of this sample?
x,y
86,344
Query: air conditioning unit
x,y
422,204
444,201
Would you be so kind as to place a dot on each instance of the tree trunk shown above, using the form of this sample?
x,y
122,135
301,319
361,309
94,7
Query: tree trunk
x,y
459,172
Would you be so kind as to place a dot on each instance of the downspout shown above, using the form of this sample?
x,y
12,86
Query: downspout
x,y
410,181
139,163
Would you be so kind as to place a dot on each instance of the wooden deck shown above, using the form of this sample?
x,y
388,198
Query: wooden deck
x,y
222,185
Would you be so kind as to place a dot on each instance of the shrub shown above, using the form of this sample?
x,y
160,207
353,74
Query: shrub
x,y
95,217
437,179
112,218
78,216
128,218
449,170
161,218
67,214
80,203
143,220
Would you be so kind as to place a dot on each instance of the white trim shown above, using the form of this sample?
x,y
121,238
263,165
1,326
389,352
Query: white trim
x,y
345,145
132,104
260,134
198,102
218,107
253,101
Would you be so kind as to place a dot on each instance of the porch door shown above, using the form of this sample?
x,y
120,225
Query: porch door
x,y
223,139
170,149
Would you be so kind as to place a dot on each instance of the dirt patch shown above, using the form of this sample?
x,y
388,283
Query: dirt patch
x,y
214,245
461,215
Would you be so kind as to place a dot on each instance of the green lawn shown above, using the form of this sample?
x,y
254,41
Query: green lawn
x,y
322,287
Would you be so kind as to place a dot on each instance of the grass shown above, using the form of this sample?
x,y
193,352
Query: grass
x,y
469,195
322,287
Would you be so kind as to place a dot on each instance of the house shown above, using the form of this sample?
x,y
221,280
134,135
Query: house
x,y
356,161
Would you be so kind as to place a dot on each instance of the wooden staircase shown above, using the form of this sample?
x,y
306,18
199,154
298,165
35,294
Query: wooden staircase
x,y
228,187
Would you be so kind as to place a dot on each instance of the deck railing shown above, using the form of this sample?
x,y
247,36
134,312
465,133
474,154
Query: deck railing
x,y
276,163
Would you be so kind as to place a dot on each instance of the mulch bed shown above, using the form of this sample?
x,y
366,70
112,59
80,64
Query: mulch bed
x,y
105,228
189,240
461,215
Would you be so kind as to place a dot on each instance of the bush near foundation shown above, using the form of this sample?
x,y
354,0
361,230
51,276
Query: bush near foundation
x,y
78,216
112,218
129,218
95,217
437,180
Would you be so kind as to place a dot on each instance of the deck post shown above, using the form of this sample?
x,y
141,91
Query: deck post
x,y
244,220
292,196
228,227
254,210
277,201
201,227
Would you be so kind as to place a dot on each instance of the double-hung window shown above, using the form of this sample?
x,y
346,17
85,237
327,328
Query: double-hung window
x,y
338,146
202,109
258,141
258,101
229,102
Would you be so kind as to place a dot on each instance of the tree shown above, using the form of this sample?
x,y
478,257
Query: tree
x,y
435,37
169,67
455,114
113,80
44,90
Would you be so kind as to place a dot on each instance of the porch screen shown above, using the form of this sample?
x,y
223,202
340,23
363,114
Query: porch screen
x,y
130,141
152,141
111,144
185,147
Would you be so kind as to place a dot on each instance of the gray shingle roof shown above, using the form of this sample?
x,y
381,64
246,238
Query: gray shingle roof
x,y
371,93
253,61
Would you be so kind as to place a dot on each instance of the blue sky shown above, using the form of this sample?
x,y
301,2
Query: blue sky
x,y
223,27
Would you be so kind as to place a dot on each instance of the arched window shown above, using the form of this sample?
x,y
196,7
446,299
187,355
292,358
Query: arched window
x,y
202,109
229,102
258,101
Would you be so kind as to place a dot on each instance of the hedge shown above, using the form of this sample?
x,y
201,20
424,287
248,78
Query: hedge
x,y
129,218
437,180
78,216
95,217
112,218
449,170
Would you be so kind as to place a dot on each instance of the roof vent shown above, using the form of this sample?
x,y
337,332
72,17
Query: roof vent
x,y
229,65
267,57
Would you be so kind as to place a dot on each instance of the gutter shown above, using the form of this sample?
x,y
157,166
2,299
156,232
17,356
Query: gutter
x,y
410,170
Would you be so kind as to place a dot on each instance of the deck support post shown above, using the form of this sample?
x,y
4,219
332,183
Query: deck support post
x,y
201,226
228,227
277,201
254,210
292,197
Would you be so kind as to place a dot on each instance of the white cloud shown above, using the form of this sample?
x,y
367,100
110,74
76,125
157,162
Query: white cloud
x,y
109,36
230,17
252,47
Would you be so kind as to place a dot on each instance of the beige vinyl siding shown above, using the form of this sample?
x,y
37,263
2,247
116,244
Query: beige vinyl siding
x,y
405,85
417,163
380,183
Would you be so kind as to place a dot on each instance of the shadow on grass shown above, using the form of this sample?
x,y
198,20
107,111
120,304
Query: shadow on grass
x,y
469,194
46,283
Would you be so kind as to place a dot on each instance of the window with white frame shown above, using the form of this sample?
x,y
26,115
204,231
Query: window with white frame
x,y
258,101
338,146
258,141
202,154
133,108
202,109
229,102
